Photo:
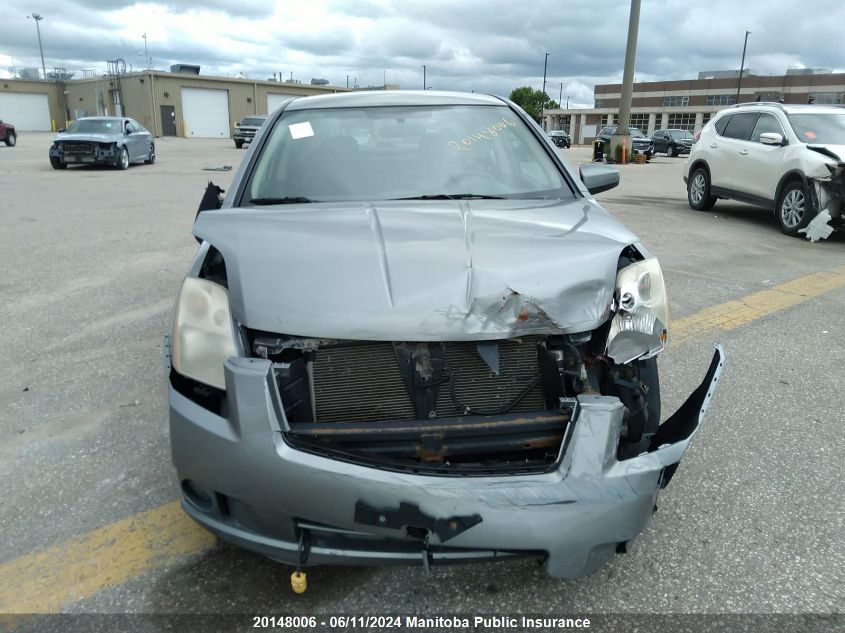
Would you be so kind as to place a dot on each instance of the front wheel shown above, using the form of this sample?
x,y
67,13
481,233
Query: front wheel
x,y
698,190
151,158
672,151
794,209
57,163
11,139
123,159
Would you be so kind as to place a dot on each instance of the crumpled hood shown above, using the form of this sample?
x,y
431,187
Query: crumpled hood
x,y
91,138
419,271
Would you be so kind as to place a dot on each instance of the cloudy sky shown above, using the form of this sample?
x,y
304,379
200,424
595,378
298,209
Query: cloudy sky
x,y
483,45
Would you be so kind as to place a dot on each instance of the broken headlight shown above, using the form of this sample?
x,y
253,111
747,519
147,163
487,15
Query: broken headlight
x,y
640,327
202,332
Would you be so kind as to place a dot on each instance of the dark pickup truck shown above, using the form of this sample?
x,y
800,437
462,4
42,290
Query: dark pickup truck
x,y
246,130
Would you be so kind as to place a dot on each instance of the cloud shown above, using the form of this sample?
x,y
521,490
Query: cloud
x,y
483,45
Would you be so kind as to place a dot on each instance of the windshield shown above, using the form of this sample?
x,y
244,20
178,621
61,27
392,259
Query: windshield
x,y
253,121
826,129
680,134
95,126
384,153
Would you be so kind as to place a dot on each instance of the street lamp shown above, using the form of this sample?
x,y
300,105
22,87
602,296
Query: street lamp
x,y
146,53
37,17
543,105
741,66
560,96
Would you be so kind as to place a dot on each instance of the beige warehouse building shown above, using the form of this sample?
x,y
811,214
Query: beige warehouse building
x,y
166,103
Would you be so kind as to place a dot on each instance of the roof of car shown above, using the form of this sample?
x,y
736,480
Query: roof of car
x,y
789,108
375,98
103,118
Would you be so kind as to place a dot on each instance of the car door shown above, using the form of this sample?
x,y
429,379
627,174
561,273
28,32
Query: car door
x,y
135,141
726,151
659,140
763,166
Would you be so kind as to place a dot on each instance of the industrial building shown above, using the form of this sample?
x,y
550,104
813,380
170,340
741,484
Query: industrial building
x,y
166,103
689,104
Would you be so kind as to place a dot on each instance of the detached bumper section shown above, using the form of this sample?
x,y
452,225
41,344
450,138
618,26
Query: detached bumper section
x,y
244,480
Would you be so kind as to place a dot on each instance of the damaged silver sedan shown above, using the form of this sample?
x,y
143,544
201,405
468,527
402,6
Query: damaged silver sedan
x,y
411,335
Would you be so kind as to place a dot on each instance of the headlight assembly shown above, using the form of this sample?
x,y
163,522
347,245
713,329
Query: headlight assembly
x,y
203,337
640,327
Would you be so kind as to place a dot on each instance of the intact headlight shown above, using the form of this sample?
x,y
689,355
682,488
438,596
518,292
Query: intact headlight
x,y
203,337
640,327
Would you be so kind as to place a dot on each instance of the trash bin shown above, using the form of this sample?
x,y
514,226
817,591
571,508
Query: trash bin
x,y
598,150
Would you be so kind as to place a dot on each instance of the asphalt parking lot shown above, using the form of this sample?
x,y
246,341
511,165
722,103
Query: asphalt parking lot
x,y
92,260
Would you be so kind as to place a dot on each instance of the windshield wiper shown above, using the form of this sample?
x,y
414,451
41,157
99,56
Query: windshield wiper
x,y
281,200
453,196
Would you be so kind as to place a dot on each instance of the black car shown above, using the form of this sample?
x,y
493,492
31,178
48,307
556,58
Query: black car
x,y
561,138
642,143
673,142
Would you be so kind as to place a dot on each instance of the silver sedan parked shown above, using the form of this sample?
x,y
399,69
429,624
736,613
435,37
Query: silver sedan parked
x,y
116,141
411,335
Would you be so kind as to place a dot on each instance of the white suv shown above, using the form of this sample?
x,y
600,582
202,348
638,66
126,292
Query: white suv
x,y
788,158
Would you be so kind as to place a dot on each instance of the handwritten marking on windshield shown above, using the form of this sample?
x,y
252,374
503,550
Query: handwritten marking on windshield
x,y
486,134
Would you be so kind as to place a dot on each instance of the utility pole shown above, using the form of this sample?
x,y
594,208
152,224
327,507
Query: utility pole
x,y
622,138
741,66
560,96
37,17
146,52
543,106
423,67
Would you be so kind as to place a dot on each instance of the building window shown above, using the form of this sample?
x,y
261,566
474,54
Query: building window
x,y
826,98
674,102
639,121
768,96
705,118
599,103
609,119
682,121
721,100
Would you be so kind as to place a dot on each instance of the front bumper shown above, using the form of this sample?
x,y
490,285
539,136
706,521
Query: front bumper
x,y
244,483
95,155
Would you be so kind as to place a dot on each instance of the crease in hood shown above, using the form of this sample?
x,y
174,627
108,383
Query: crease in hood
x,y
419,270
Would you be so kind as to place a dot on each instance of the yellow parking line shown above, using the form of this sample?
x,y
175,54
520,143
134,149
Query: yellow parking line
x,y
732,315
109,556
46,581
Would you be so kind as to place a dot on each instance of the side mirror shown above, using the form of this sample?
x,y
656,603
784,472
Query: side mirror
x,y
598,178
771,138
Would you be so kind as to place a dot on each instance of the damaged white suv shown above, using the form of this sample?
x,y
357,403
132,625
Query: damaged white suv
x,y
783,157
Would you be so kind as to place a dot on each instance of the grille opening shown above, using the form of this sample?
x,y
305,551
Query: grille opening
x,y
427,407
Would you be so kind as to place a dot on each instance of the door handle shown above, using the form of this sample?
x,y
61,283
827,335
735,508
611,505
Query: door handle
x,y
743,152
713,145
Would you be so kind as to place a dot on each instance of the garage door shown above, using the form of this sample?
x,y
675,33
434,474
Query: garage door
x,y
275,101
27,112
205,113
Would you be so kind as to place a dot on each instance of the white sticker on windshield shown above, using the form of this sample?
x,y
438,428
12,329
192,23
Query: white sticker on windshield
x,y
300,130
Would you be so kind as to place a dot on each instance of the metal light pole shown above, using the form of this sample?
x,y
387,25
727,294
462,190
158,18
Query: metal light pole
x,y
37,17
622,136
741,66
146,52
423,67
543,105
560,96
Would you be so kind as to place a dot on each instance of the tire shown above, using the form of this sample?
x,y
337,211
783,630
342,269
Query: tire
x,y
239,144
57,163
123,159
672,152
794,208
11,139
151,158
698,190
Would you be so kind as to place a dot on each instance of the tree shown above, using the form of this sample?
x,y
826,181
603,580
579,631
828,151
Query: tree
x,y
532,101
